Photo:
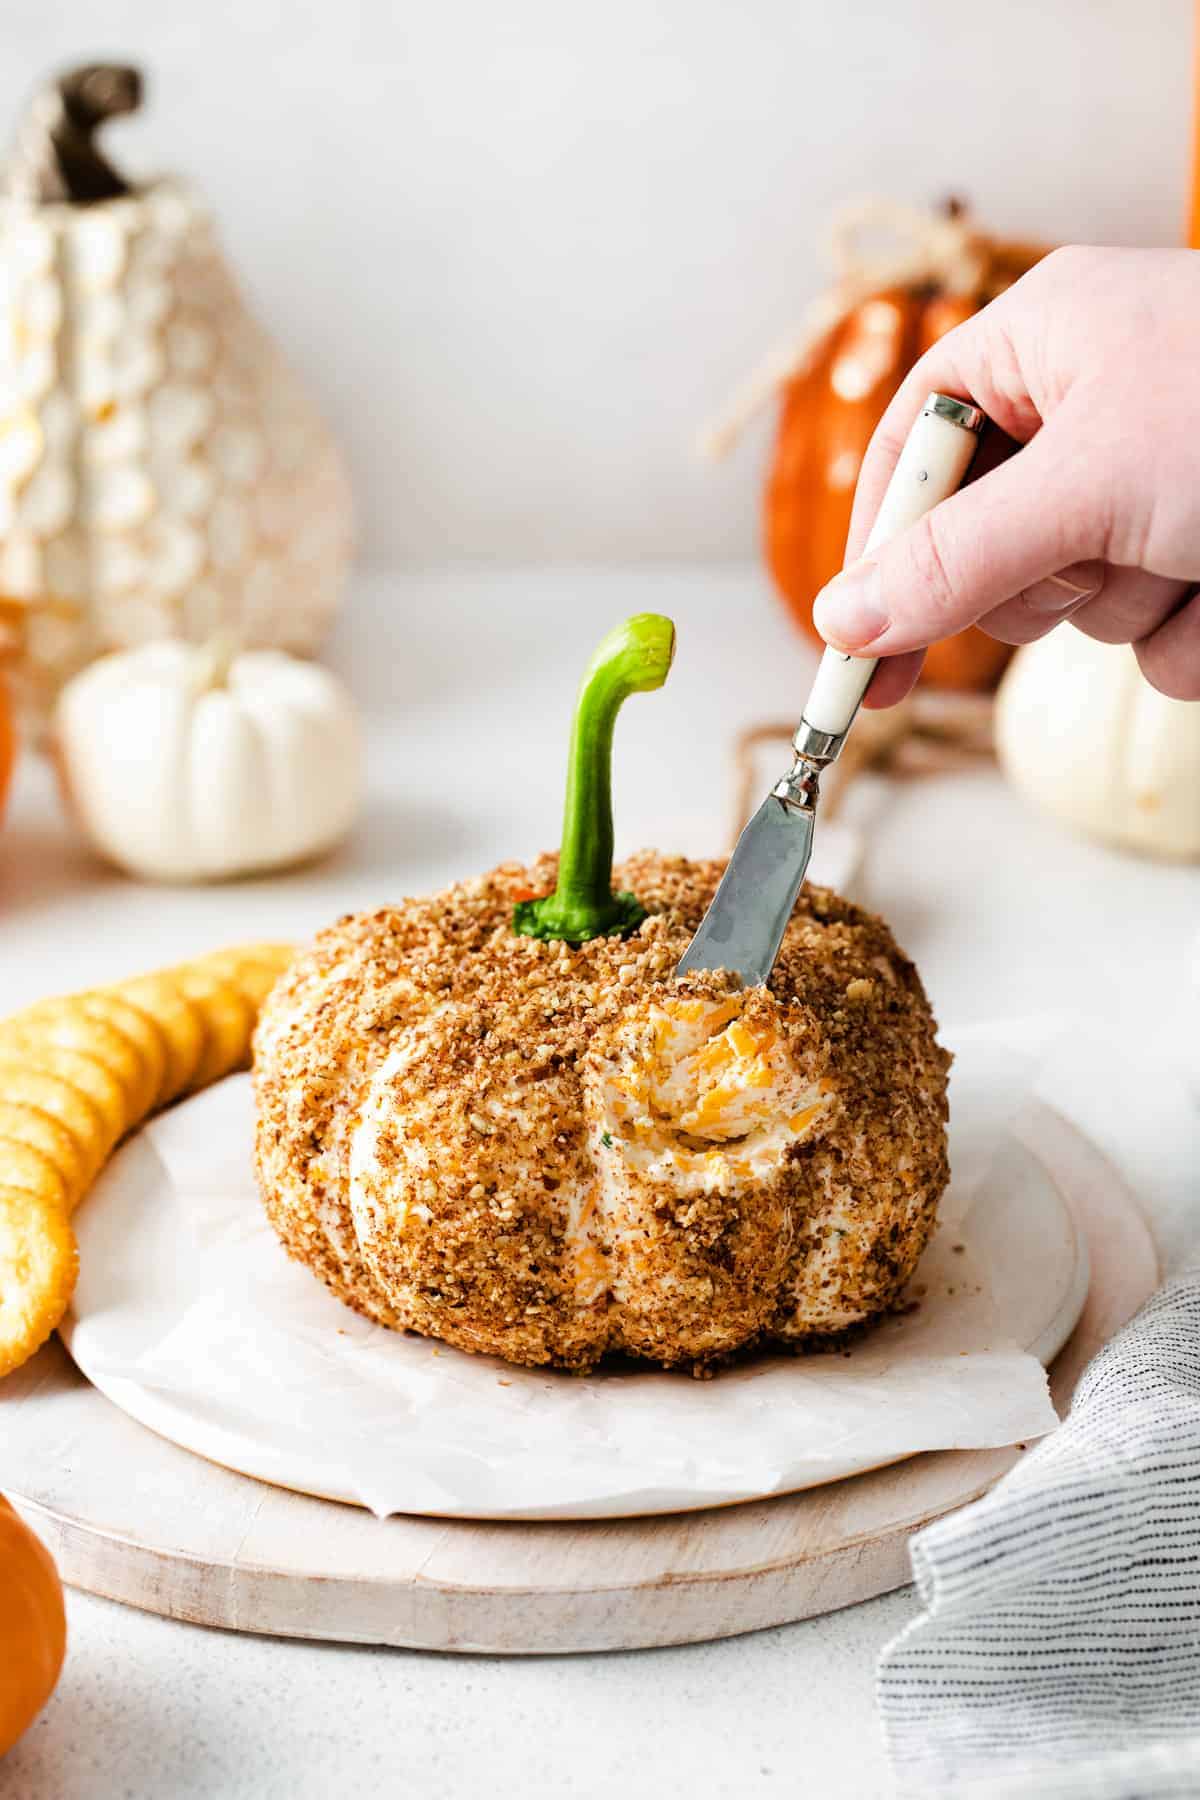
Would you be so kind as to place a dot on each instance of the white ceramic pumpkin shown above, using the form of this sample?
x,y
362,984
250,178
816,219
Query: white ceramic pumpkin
x,y
1080,730
184,763
162,470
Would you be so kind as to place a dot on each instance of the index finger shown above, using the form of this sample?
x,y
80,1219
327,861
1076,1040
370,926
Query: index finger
x,y
967,363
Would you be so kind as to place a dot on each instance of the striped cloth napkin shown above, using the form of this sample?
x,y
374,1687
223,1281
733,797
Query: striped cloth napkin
x,y
1058,1652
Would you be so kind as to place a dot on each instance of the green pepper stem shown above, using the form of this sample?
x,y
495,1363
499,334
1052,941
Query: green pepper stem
x,y
635,658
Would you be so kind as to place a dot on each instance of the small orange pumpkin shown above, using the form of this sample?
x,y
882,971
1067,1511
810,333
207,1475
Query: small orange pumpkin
x,y
33,1626
14,617
889,302
833,402
8,744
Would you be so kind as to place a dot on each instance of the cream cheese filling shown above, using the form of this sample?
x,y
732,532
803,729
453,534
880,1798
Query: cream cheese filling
x,y
701,1099
713,1103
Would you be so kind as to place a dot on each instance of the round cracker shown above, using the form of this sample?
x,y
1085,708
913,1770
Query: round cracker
x,y
127,1041
141,1029
66,1104
253,970
67,1025
89,1076
228,1019
181,1023
23,1165
38,1267
24,1124
276,956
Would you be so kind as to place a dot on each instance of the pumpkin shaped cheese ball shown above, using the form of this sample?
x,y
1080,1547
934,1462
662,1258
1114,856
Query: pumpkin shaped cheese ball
x,y
497,1117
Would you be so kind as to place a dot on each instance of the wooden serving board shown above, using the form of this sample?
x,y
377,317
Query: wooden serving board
x,y
130,1516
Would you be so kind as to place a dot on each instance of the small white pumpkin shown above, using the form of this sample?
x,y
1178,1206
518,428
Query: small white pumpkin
x,y
189,763
1080,730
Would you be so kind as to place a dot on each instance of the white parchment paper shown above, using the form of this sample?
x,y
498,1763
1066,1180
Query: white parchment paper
x,y
189,1315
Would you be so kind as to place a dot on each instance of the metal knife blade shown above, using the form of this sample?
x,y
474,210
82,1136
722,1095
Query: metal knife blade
x,y
744,926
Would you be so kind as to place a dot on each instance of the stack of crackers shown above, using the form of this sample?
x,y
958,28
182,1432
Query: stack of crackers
x,y
76,1075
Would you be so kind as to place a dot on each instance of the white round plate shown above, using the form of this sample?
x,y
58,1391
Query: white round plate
x,y
190,1318
131,1516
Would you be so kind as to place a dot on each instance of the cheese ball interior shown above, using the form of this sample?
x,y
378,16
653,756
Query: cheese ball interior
x,y
551,1153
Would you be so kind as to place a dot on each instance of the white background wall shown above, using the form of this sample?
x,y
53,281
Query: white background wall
x,y
523,248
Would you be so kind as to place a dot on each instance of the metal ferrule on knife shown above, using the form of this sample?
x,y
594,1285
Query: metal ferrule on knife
x,y
815,750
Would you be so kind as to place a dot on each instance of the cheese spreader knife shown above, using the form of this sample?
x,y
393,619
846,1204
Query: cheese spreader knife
x,y
744,926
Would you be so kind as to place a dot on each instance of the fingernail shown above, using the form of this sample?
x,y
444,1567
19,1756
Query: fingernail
x,y
849,612
1057,594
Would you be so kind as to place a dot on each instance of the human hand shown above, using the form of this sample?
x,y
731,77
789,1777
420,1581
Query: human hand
x,y
1090,511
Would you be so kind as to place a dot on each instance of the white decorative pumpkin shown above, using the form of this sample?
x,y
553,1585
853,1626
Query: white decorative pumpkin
x,y
184,763
1080,730
162,471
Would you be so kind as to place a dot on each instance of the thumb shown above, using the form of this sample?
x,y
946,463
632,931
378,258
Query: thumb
x,y
1025,520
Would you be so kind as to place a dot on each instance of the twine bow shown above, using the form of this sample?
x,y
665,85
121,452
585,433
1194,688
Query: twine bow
x,y
873,245
928,734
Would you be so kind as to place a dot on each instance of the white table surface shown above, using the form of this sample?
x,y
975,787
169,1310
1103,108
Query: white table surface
x,y
467,677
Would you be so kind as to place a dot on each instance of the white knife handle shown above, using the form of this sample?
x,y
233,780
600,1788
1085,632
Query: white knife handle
x,y
936,456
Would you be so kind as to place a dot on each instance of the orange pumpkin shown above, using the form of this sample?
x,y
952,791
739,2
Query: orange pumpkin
x,y
8,744
33,1626
835,399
